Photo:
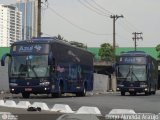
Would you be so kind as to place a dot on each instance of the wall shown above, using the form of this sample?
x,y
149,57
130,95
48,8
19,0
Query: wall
x,y
4,78
101,83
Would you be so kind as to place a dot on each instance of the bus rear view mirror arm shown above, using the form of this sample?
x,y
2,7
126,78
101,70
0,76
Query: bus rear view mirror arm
x,y
4,58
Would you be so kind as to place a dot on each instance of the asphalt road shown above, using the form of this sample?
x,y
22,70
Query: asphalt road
x,y
105,102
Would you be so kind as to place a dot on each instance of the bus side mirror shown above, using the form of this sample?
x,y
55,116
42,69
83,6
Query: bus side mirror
x,y
50,57
149,66
114,65
4,58
51,60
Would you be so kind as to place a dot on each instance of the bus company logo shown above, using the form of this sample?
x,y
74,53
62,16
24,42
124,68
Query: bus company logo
x,y
37,47
25,48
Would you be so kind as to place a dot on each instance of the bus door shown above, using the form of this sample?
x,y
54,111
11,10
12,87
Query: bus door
x,y
75,77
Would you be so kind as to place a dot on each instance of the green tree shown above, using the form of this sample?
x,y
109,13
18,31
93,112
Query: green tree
x,y
106,52
59,37
158,50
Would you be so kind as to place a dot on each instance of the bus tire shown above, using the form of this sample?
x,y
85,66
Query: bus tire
x,y
122,93
147,93
83,93
25,95
154,92
58,94
132,93
55,95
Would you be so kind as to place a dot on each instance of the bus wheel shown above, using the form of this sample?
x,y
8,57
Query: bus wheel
x,y
122,93
25,95
59,94
83,93
147,93
154,92
55,95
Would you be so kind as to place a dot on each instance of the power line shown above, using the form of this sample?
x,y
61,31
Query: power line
x,y
86,1
129,23
127,29
102,7
93,10
83,29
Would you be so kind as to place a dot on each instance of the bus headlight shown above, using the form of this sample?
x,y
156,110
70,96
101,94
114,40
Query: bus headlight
x,y
120,85
144,85
13,84
44,83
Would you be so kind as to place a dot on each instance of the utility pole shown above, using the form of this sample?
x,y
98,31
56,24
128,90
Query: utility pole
x,y
39,19
113,77
114,17
136,37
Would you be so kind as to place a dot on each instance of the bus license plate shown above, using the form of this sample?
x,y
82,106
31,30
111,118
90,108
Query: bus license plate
x,y
131,89
28,89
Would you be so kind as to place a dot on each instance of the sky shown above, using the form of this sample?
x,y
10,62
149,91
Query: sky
x,y
89,22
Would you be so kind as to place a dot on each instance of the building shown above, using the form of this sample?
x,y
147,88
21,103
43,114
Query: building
x,y
29,11
10,25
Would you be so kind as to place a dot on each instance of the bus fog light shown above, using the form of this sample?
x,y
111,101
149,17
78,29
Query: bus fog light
x,y
45,88
12,89
53,87
118,89
146,89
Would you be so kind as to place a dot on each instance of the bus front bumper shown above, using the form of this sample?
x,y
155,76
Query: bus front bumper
x,y
31,89
134,89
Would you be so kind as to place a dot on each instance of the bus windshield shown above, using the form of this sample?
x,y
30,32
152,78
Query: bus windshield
x,y
132,72
29,66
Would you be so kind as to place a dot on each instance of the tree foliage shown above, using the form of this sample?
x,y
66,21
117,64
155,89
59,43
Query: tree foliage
x,y
78,44
106,52
59,37
158,50
74,43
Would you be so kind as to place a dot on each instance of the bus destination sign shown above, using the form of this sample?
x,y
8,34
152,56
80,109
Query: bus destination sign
x,y
133,60
32,48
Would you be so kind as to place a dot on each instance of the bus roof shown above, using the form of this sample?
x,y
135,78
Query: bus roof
x,y
37,40
47,40
134,53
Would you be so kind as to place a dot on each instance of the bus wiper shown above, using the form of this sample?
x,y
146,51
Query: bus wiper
x,y
135,76
127,74
32,68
